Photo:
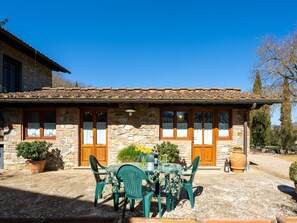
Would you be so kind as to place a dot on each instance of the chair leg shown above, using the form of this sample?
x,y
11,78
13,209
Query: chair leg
x,y
189,190
124,208
168,202
116,201
159,206
172,202
98,192
146,206
132,202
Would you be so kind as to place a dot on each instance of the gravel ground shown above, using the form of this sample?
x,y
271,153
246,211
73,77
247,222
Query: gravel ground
x,y
69,193
271,163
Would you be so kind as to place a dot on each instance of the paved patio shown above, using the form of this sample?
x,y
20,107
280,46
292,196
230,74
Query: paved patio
x,y
69,193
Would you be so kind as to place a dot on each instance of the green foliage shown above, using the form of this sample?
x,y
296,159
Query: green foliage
x,y
257,88
128,154
259,127
169,149
35,151
293,172
260,119
287,136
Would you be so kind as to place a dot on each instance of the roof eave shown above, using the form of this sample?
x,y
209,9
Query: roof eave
x,y
30,51
161,101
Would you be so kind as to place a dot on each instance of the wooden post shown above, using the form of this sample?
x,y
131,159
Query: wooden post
x,y
245,125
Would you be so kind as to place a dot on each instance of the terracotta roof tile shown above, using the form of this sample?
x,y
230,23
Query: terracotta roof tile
x,y
148,95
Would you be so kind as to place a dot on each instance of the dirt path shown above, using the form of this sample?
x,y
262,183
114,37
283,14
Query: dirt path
x,y
271,164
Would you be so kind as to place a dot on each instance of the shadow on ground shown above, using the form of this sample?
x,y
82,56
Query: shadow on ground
x,y
288,190
20,206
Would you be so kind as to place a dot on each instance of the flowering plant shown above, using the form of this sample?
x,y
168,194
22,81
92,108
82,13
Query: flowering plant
x,y
144,151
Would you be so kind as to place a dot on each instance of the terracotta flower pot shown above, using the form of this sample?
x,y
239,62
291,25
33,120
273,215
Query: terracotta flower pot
x,y
238,161
36,166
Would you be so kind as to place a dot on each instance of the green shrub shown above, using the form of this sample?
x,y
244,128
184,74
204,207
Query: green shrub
x,y
35,151
128,154
293,172
169,149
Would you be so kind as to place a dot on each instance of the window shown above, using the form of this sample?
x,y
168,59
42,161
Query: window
x,y
174,124
223,124
203,128
12,70
94,127
40,124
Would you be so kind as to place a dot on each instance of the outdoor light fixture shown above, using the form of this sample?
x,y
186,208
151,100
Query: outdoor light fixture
x,y
130,109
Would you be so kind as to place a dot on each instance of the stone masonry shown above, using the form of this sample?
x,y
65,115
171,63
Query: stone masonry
x,y
142,128
65,147
34,74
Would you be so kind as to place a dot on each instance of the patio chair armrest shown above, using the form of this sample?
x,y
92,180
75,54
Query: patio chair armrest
x,y
101,173
153,182
187,174
188,167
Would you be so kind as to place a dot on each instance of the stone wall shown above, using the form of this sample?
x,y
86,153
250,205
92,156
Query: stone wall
x,y
142,128
65,149
224,146
12,136
34,74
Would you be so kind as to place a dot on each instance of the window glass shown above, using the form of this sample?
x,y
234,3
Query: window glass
x,y
208,123
197,128
33,124
167,123
49,123
11,79
101,127
182,124
87,128
223,124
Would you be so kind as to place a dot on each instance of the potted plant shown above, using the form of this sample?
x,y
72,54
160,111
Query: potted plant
x,y
293,174
237,159
35,152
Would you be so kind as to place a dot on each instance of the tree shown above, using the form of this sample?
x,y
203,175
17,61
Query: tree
x,y
3,22
60,81
260,119
287,136
257,87
259,129
277,60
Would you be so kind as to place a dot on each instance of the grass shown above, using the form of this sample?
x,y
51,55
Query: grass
x,y
290,158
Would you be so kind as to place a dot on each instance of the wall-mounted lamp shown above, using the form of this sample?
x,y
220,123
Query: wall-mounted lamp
x,y
130,109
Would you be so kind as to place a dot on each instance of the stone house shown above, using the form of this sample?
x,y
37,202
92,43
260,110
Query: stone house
x,y
101,121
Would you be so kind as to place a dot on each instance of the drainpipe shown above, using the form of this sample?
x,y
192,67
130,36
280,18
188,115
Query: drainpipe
x,y
245,129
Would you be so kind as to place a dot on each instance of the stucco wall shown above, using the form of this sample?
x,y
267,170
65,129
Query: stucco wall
x,y
34,74
142,128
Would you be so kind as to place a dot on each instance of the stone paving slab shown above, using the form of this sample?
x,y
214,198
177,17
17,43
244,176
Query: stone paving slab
x,y
70,193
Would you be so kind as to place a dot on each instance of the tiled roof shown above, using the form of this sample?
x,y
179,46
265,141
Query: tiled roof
x,y
24,47
138,95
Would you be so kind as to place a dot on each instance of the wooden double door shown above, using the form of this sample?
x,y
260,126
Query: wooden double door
x,y
93,136
203,143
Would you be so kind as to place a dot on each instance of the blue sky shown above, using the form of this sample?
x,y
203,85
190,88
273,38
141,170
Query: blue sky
x,y
152,43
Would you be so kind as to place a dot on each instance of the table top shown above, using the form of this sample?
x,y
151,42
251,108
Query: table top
x,y
165,168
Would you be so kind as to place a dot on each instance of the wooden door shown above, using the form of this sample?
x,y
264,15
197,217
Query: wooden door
x,y
93,136
203,143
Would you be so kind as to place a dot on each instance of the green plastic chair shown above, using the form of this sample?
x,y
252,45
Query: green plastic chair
x,y
100,182
132,178
188,184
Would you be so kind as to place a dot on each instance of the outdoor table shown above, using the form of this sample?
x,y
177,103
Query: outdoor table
x,y
172,183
